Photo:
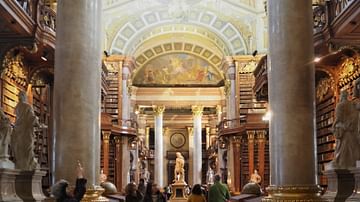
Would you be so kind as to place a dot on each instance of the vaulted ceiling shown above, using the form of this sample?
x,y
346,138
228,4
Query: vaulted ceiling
x,y
209,29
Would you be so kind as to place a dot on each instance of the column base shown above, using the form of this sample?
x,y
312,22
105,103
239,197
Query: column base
x,y
293,194
341,184
356,194
7,185
29,187
94,195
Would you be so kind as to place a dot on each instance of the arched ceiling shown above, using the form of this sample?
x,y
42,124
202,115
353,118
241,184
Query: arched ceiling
x,y
209,29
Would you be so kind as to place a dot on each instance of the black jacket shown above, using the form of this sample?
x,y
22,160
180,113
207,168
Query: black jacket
x,y
78,194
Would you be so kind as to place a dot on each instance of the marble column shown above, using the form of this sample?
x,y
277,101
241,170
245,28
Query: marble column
x,y
231,101
105,146
197,155
291,100
125,95
77,89
159,156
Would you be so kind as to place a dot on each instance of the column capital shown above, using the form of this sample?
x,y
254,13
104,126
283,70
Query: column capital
x,y
106,135
251,134
197,110
261,134
158,110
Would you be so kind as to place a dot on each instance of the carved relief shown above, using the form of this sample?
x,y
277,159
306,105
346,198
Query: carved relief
x,y
14,67
349,70
323,88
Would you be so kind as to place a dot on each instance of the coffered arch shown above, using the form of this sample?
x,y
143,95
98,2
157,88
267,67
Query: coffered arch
x,y
203,22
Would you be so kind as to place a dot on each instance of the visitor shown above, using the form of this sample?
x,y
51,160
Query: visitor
x,y
132,194
196,194
62,194
153,193
218,192
141,186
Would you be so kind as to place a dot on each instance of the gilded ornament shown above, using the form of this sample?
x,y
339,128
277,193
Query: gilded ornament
x,y
197,110
323,88
158,110
349,70
14,67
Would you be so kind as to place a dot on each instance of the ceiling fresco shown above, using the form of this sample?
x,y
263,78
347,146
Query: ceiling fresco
x,y
178,69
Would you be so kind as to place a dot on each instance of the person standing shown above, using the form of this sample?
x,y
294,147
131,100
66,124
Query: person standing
x,y
218,192
196,194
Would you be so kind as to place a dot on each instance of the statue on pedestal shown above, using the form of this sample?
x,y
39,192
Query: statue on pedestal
x,y
23,135
179,171
5,138
345,129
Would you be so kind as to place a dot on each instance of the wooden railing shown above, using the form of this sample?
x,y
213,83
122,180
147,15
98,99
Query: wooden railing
x,y
47,18
28,7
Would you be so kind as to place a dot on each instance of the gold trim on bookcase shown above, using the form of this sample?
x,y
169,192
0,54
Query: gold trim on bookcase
x,y
293,194
349,70
323,88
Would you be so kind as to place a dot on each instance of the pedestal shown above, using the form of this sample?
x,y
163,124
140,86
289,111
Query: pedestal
x,y
178,192
341,184
356,194
28,186
7,185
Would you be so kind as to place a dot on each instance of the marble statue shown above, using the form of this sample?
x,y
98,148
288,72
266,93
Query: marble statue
x,y
345,130
179,171
5,138
255,177
23,135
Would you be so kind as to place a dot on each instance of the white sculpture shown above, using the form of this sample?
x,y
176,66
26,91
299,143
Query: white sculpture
x,y
23,135
210,176
5,138
179,171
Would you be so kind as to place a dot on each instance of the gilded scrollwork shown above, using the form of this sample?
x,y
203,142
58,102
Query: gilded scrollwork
x,y
197,110
14,68
349,70
323,88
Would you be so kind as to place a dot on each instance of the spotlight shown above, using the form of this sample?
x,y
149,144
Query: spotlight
x,y
317,59
254,53
106,53
44,56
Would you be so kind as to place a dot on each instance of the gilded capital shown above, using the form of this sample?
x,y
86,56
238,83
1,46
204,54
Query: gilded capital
x,y
158,110
251,134
197,110
261,134
106,135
